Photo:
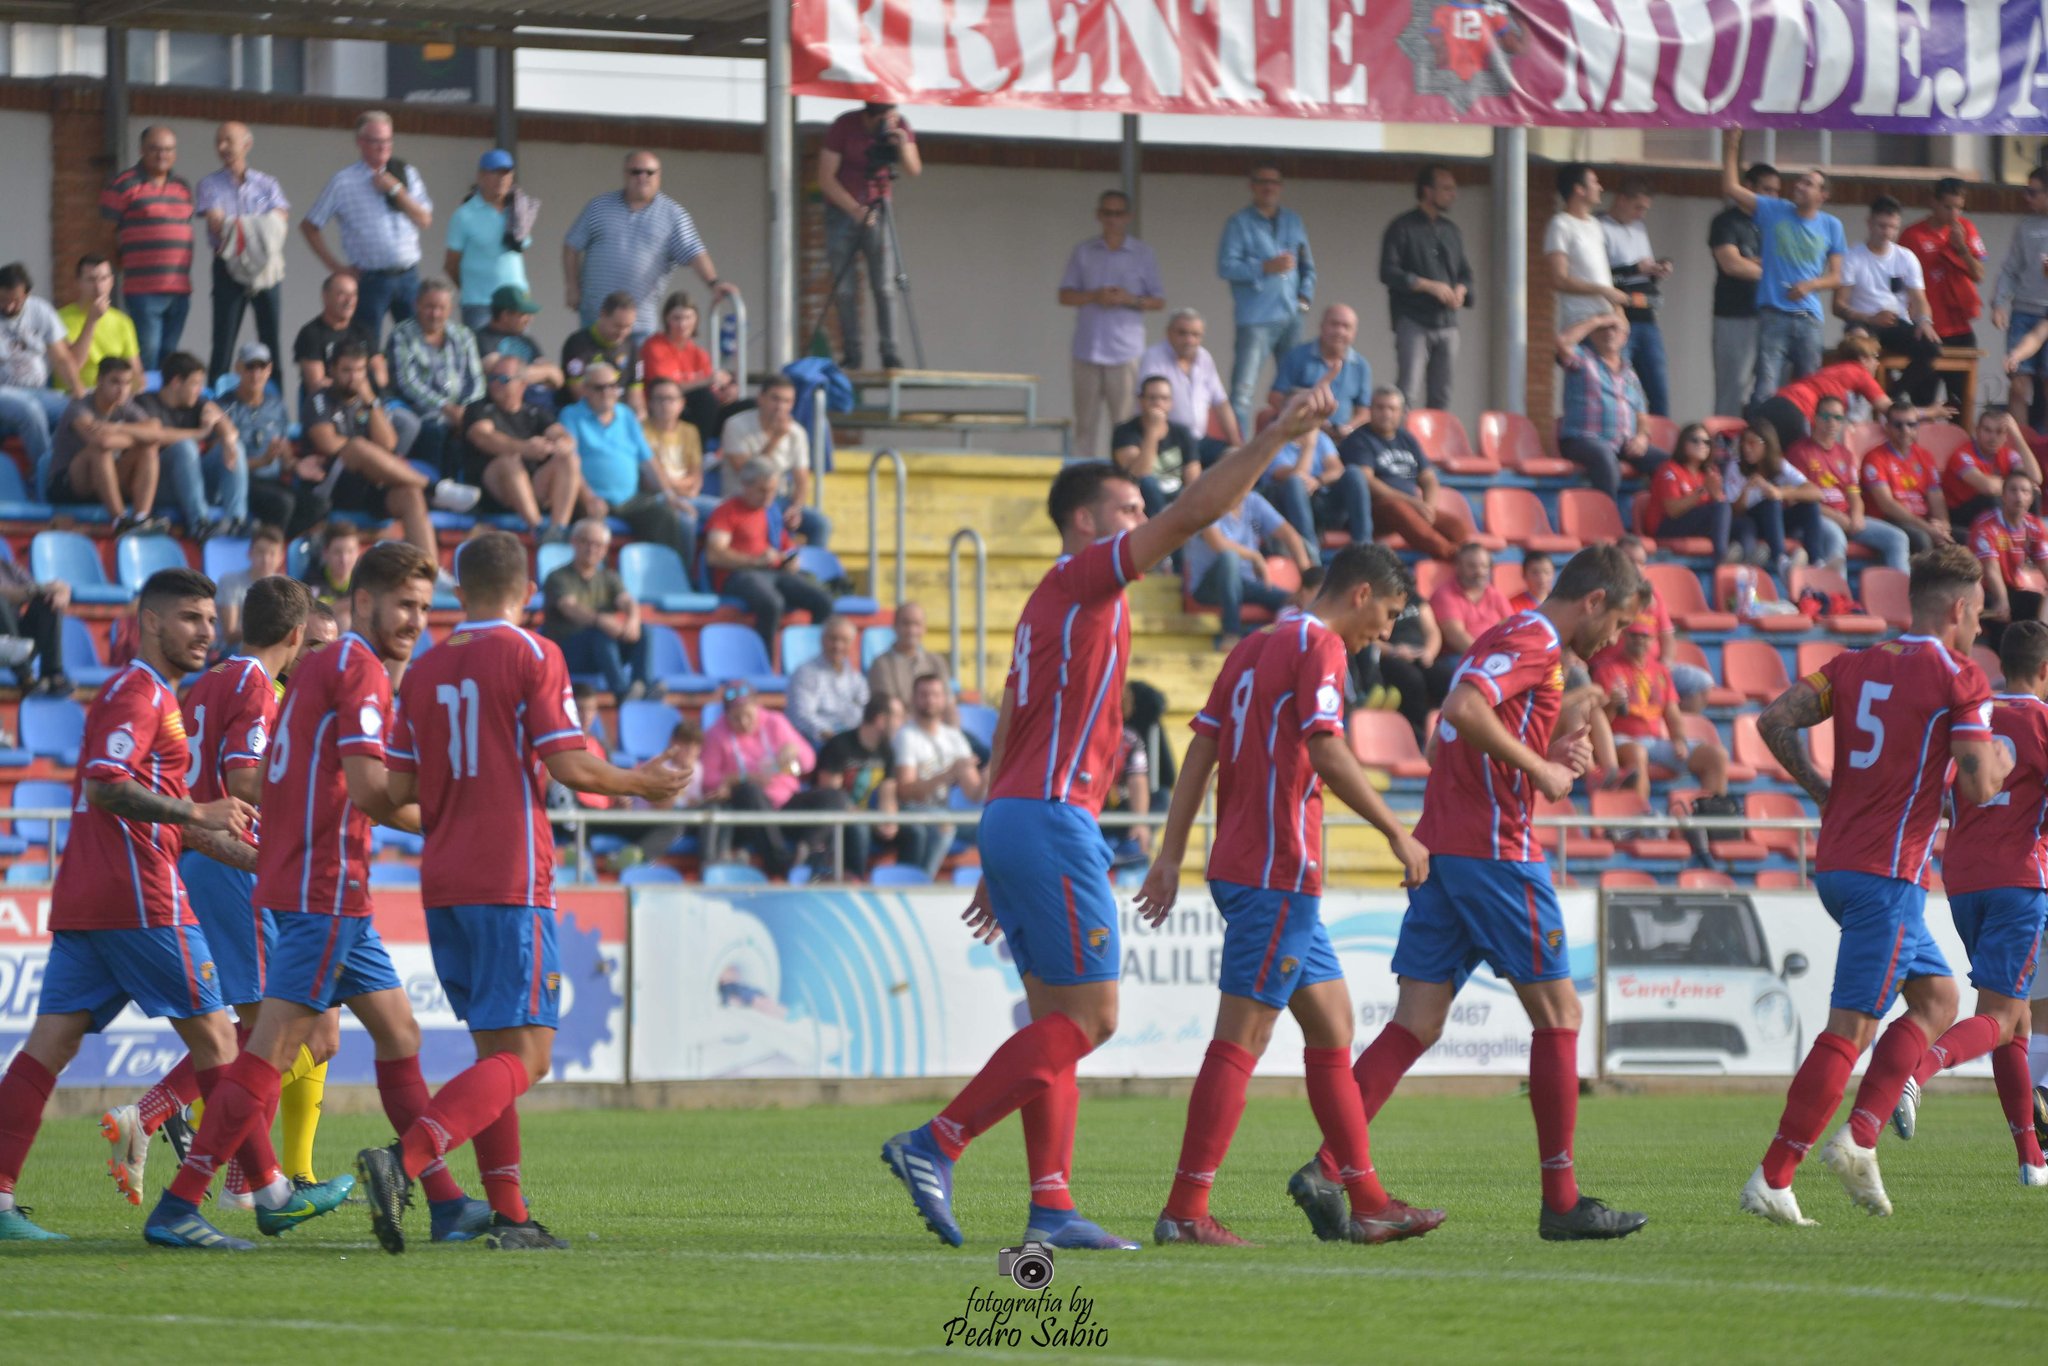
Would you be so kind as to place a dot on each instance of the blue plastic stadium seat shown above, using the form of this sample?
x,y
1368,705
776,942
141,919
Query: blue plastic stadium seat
x,y
548,558
53,728
15,503
82,655
709,715
654,574
669,661
71,557
967,875
383,837
875,642
226,555
822,565
733,875
394,875
900,875
28,874
978,721
644,873
137,557
732,651
644,727
42,794
300,556
800,645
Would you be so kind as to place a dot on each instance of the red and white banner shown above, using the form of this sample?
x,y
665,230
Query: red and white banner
x,y
1889,65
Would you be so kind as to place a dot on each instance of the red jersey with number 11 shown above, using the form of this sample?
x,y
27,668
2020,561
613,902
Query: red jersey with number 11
x,y
1476,807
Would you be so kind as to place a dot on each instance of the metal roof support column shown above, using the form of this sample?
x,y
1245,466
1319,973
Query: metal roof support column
x,y
505,97
119,153
1511,269
1128,165
782,192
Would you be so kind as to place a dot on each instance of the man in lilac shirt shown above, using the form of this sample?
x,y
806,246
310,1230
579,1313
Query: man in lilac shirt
x,y
1112,281
1198,393
238,190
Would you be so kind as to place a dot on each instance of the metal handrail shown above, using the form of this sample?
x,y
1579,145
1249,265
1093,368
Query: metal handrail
x,y
739,335
973,538
874,519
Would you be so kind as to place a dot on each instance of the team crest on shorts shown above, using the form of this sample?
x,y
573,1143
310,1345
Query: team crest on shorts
x,y
206,971
1097,938
1288,965
554,981
1554,938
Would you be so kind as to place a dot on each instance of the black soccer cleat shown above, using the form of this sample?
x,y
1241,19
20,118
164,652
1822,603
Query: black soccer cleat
x,y
2041,1113
1588,1219
1323,1201
380,1175
533,1235
178,1131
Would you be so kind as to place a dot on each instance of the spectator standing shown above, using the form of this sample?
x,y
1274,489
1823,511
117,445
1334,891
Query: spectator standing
x,y
864,150
266,557
898,668
520,455
1952,256
484,255
1468,606
1111,282
354,459
628,241
1428,279
827,692
33,357
1153,449
754,760
609,340
199,449
1602,422
104,451
1802,259
1642,705
383,206
2019,301
1312,487
151,208
1884,292
673,353
1264,257
1973,477
1200,402
1227,563
258,412
2013,545
245,209
435,371
1639,273
1830,466
1902,485
861,762
1401,481
1576,249
1686,497
1329,359
932,759
588,612
614,455
1737,245
744,564
94,329
771,432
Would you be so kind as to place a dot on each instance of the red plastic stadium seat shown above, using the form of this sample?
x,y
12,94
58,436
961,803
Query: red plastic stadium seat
x,y
1750,749
1662,431
1754,669
1776,806
1678,588
1656,845
1720,694
1767,590
1442,438
1987,660
1700,731
1383,740
1511,440
1507,577
1696,547
1941,440
1779,880
1580,842
1863,437
1588,515
1517,517
1626,880
1431,575
1824,580
1280,571
1450,500
1724,428
1814,653
1705,880
1884,595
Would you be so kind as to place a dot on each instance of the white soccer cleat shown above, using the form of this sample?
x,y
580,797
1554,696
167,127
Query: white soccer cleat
x,y
1857,1168
1778,1206
2034,1176
1906,1114
236,1200
122,1128
450,496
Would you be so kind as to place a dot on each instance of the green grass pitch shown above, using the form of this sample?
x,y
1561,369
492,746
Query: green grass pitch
x,y
773,1235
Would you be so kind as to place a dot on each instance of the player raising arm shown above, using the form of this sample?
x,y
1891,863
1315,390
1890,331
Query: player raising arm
x,y
1903,710
482,722
1274,723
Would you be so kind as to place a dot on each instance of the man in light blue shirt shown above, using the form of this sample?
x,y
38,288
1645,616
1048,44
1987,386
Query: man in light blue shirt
x,y
480,259
1265,258
1227,562
1111,282
614,452
1309,484
1304,366
1802,260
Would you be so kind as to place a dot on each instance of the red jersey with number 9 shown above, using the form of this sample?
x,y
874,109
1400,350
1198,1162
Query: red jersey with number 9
x,y
1476,807
1896,708
1999,843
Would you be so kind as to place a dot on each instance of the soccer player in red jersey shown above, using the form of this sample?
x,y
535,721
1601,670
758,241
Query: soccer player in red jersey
x,y
1273,730
1903,710
482,722
2011,541
325,785
1502,741
1045,866
1998,893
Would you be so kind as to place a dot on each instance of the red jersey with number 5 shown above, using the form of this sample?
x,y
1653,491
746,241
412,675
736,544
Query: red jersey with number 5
x,y
1896,708
1278,688
1067,673
1476,807
475,717
118,874
1999,844
315,854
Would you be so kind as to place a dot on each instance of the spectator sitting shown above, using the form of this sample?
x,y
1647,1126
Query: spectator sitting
x,y
340,546
339,319
1154,450
608,341
1308,483
1693,682
483,256
2013,545
354,459
1602,423
258,413
1852,373
615,457
1826,460
512,310
524,460
827,691
1884,291
1400,479
1687,497
1409,670
896,670
266,558
754,761
678,464
1902,485
770,432
104,451
1642,706
685,751
1226,563
745,565
589,613
33,358
1539,576
933,758
1772,498
436,371
1200,401
861,762
199,450
1973,479
673,353
32,623
95,330
1469,605
1330,355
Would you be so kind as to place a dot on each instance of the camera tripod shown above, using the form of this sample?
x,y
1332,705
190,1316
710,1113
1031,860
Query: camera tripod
x,y
879,216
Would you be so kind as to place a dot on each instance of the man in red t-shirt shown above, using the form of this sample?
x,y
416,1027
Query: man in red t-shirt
x,y
2012,544
1642,706
1469,606
1952,257
863,150
1974,474
743,562
1903,486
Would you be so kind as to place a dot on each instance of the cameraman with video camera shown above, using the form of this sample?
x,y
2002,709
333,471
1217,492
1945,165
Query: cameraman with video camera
x,y
865,149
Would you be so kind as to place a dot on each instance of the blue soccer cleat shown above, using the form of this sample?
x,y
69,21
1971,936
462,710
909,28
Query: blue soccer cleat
x,y
1063,1228
927,1174
17,1227
458,1221
173,1223
308,1202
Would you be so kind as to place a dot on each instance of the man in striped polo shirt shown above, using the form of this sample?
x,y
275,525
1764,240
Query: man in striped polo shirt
x,y
152,211
630,241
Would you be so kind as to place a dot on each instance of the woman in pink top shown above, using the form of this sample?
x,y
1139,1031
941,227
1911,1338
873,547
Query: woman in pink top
x,y
673,353
754,760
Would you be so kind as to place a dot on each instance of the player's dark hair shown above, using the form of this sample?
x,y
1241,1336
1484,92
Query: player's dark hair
x,y
388,564
177,585
492,567
1370,564
2023,653
179,364
1940,576
1570,176
1884,203
1078,486
324,611
1595,568
273,609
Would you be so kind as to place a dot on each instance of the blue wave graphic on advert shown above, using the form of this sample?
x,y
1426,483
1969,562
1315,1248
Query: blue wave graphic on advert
x,y
1377,932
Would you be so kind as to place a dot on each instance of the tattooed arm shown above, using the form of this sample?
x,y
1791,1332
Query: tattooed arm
x,y
1982,766
133,801
1798,708
232,850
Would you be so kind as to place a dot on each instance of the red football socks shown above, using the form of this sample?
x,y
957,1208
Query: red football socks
x,y
1898,1052
1378,1071
239,1098
179,1088
1333,1095
1031,1060
404,1093
2016,1098
1809,1104
1965,1041
1554,1097
497,1160
1049,1141
24,1091
1214,1107
467,1104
